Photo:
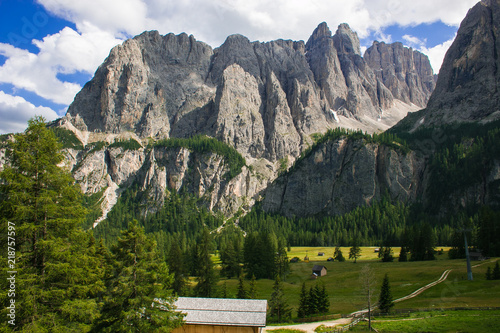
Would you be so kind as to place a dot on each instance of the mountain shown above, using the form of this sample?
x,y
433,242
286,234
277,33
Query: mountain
x,y
452,160
266,100
467,89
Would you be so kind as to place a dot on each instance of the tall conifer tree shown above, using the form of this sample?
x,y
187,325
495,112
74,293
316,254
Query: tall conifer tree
x,y
138,297
58,272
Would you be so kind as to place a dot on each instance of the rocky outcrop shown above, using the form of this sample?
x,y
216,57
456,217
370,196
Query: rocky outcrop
x,y
343,174
264,99
467,89
174,86
406,73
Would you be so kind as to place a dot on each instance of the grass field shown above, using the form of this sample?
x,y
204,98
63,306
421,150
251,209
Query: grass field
x,y
438,322
342,281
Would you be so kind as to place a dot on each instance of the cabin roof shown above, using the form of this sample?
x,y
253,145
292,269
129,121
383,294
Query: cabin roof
x,y
223,311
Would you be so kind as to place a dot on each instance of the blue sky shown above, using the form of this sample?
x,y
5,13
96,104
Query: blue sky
x,y
50,48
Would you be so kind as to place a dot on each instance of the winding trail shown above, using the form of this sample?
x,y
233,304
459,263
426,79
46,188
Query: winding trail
x,y
310,327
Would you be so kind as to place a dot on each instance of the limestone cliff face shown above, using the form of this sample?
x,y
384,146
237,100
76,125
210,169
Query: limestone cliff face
x,y
264,99
343,174
405,72
467,89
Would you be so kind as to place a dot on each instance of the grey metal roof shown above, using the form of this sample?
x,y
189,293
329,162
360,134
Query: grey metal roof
x,y
223,311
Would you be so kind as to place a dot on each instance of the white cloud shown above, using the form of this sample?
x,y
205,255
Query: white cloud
x,y
415,42
101,24
15,112
436,54
212,21
65,52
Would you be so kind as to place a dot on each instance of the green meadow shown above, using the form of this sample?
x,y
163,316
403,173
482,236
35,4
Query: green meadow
x,y
346,295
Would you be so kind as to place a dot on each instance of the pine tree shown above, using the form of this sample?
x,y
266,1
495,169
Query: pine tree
x,y
496,272
303,310
313,301
489,274
242,292
385,300
354,251
205,272
281,260
278,305
403,254
252,292
177,267
138,298
324,302
337,255
58,272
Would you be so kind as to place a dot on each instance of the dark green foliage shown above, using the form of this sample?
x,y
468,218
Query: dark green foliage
x,y
205,144
177,266
67,138
260,254
94,211
96,146
420,241
129,144
354,251
137,280
281,262
489,232
230,242
314,302
279,310
489,275
337,255
385,300
204,266
303,310
324,302
386,254
496,272
252,292
403,254
179,219
368,224
58,273
242,292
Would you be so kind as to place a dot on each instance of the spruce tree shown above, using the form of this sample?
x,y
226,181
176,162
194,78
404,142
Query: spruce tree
x,y
252,292
138,296
354,251
177,267
489,274
324,302
206,274
337,255
496,272
403,254
242,292
58,272
303,310
385,300
279,310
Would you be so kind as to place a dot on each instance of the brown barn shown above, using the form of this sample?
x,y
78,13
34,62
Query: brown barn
x,y
318,271
221,315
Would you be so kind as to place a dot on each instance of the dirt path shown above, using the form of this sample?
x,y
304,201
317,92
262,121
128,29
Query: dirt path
x,y
310,327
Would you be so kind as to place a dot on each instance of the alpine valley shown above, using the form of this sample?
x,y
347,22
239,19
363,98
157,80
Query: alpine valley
x,y
290,129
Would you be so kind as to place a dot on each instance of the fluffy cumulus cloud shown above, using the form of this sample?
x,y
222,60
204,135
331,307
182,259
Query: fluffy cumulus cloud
x,y
15,112
101,24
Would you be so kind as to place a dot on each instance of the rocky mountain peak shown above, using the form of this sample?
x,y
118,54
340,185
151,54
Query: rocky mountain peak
x,y
346,40
468,85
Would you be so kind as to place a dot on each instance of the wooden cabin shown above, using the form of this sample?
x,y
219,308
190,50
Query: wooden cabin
x,y
221,315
